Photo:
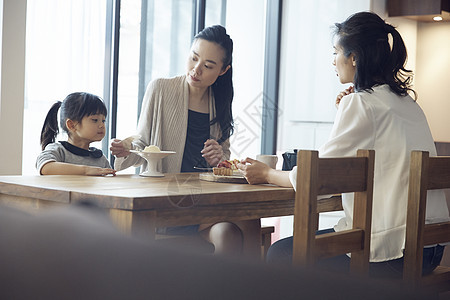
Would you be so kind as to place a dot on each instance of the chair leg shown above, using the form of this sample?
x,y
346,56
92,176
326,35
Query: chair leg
x,y
266,240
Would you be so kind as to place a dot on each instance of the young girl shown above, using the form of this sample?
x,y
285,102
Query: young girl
x,y
82,117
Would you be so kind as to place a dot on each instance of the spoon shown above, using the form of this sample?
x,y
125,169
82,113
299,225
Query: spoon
x,y
204,169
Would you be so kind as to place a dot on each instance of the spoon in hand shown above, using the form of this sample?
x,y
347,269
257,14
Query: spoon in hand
x,y
127,142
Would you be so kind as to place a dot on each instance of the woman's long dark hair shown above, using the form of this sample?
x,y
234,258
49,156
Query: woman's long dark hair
x,y
75,107
365,35
223,86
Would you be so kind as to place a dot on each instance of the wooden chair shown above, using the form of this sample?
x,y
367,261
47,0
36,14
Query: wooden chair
x,y
323,176
426,173
266,240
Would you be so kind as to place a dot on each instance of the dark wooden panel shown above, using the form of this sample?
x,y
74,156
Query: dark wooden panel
x,y
329,245
432,231
443,148
415,7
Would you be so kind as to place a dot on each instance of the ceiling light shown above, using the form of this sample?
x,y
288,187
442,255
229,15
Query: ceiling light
x,y
438,18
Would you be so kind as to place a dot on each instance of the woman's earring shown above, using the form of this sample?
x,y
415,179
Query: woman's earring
x,y
354,63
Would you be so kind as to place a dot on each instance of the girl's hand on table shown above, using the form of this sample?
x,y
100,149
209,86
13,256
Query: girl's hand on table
x,y
212,152
96,171
254,171
118,149
345,92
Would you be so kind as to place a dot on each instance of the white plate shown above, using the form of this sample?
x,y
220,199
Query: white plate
x,y
221,178
160,154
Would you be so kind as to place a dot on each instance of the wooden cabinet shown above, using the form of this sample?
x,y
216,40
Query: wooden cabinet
x,y
417,7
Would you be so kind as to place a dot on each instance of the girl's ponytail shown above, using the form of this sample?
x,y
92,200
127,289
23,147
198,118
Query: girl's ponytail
x,y
50,129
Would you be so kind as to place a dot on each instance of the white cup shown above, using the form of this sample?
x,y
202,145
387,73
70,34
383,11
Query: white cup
x,y
270,160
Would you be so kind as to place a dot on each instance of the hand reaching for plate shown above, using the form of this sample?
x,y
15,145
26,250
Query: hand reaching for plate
x,y
254,171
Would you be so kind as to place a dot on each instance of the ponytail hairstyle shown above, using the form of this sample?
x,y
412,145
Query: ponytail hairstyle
x,y
365,35
223,86
74,107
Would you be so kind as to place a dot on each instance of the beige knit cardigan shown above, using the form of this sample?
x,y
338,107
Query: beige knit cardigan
x,y
163,122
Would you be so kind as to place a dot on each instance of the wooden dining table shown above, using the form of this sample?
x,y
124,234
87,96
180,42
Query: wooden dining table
x,y
138,205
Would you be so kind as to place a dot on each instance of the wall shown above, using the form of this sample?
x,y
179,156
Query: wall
x,y
308,82
429,57
433,76
12,85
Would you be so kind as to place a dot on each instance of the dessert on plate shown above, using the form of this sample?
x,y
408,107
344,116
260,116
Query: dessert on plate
x,y
151,148
227,168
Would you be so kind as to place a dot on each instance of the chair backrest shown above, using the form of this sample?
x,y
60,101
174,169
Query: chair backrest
x,y
324,176
426,173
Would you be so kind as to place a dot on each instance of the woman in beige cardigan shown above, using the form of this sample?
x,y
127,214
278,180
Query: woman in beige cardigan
x,y
191,114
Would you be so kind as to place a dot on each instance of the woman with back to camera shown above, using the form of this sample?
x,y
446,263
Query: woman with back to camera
x,y
191,114
377,113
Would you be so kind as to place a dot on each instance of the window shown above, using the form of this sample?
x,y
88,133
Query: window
x,y
165,39
154,46
64,54
308,84
128,76
245,23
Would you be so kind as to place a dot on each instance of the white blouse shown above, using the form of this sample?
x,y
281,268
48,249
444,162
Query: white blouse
x,y
393,126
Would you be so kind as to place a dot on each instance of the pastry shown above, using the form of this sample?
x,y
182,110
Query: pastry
x,y
227,168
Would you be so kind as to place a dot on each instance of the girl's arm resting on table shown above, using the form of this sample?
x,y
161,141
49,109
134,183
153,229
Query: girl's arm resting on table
x,y
61,168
